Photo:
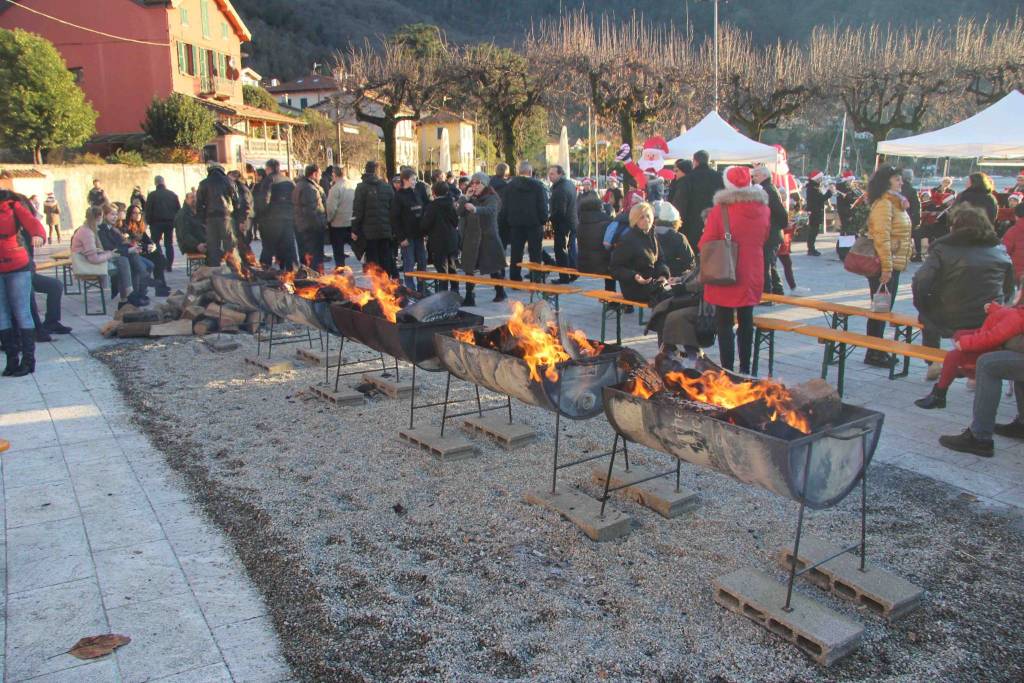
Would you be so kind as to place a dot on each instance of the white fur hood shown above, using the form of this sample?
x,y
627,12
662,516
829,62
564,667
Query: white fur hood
x,y
754,193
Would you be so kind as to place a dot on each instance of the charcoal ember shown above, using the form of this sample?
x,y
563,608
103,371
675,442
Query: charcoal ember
x,y
689,405
329,293
306,282
373,308
649,376
630,359
818,401
757,415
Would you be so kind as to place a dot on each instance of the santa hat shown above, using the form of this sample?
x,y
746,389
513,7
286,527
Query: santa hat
x,y
656,142
614,174
1016,195
848,176
816,176
737,177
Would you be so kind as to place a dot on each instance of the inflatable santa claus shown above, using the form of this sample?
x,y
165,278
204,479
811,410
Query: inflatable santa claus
x,y
651,161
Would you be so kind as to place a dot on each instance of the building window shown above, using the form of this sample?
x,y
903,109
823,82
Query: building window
x,y
222,65
183,14
182,59
224,30
204,17
303,103
440,132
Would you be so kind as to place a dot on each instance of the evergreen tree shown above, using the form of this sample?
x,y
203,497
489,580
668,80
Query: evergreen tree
x,y
179,121
255,96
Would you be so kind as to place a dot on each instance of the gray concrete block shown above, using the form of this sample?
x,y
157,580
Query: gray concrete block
x,y
308,356
449,447
387,386
659,495
220,345
508,435
877,590
271,367
344,396
584,512
824,635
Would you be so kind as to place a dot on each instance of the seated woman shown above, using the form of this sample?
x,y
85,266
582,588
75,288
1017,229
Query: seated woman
x,y
963,271
86,248
134,230
676,251
636,259
138,268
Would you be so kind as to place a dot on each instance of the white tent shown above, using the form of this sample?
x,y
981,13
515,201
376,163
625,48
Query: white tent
x,y
996,133
723,143
444,155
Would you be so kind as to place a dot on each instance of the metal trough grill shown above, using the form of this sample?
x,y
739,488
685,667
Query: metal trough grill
x,y
242,294
407,341
837,461
296,309
576,394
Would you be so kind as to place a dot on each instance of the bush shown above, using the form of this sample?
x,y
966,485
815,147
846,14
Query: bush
x,y
128,157
85,158
179,121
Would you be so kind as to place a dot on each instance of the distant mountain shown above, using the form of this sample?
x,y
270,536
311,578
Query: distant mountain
x,y
290,35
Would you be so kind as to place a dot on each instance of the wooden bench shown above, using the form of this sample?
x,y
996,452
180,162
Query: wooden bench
x,y
613,302
764,335
91,282
191,261
543,269
549,292
61,270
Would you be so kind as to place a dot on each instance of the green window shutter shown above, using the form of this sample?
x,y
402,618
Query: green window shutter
x,y
183,13
222,65
182,60
196,60
204,17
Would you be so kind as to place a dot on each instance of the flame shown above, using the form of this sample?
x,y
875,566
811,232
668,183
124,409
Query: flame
x,y
240,263
586,347
539,345
638,387
385,291
715,387
465,336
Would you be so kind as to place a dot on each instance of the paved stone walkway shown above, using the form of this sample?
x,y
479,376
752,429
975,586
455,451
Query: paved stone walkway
x,y
99,535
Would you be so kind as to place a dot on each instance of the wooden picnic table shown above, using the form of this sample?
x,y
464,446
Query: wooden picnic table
x,y
544,268
546,290
614,302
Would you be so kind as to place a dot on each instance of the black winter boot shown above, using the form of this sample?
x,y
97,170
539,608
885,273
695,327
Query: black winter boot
x,y
469,299
9,341
499,294
936,399
28,354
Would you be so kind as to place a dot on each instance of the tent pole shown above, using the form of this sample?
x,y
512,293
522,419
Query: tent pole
x,y
842,146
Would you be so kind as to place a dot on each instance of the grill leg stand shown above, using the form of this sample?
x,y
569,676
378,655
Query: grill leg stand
x,y
479,406
679,468
327,359
412,396
604,319
842,366
397,378
618,325
509,398
863,502
444,410
337,370
259,335
611,466
771,353
799,531
625,452
270,342
220,316
558,428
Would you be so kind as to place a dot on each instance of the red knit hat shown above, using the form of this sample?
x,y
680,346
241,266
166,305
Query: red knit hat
x,y
848,175
816,175
737,177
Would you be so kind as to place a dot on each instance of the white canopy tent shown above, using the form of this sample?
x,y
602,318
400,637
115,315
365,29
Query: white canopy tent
x,y
723,143
994,133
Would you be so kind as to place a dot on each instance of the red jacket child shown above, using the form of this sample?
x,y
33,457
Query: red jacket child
x,y
15,218
1013,240
1001,324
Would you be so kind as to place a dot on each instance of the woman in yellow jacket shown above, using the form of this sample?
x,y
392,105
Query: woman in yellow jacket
x,y
889,228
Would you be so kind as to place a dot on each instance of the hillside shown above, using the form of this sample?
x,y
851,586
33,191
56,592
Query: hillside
x,y
289,35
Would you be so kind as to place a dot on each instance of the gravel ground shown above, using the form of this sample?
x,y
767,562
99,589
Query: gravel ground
x,y
381,563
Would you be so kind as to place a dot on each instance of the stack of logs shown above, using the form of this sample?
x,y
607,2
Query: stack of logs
x,y
196,311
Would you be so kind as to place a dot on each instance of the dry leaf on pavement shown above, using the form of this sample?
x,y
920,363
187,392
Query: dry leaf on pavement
x,y
98,646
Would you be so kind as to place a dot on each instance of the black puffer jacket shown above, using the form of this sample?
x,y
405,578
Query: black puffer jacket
x,y
406,212
593,221
964,271
308,203
985,201
778,215
371,208
162,206
909,193
275,210
217,196
696,193
816,200
525,204
440,225
675,250
563,205
637,253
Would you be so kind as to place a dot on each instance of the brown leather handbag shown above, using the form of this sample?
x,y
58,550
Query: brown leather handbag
x,y
718,258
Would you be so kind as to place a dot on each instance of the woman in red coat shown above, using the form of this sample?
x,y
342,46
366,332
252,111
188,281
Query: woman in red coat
x,y
1002,323
18,224
747,208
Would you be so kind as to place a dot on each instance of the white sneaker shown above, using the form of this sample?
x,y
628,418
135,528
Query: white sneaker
x,y
800,291
934,370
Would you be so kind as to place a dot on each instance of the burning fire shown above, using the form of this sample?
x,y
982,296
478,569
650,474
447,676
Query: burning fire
x,y
638,387
241,263
382,288
537,343
385,291
716,388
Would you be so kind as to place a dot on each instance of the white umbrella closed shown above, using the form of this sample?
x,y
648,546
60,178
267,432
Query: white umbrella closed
x,y
563,151
444,161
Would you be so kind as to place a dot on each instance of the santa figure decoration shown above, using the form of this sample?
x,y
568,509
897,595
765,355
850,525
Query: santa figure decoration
x,y
651,161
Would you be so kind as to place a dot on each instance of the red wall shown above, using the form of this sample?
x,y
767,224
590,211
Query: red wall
x,y
119,78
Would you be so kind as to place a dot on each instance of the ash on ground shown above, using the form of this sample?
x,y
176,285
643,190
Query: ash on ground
x,y
378,562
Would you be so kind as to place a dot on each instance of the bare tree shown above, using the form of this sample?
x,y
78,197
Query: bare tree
x,y
759,88
630,71
398,82
989,58
886,78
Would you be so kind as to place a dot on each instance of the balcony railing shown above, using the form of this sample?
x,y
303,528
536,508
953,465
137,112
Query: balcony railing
x,y
217,87
258,146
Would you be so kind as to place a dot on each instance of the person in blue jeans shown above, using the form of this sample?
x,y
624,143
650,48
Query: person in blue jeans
x,y
18,224
992,368
406,212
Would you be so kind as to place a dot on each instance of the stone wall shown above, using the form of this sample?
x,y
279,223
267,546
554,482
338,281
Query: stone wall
x,y
71,183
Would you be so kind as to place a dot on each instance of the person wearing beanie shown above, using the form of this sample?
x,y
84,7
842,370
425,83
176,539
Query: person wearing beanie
x,y
745,206
371,220
482,250
695,194
816,200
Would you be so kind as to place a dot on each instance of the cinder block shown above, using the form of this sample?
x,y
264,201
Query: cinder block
x,y
508,435
824,635
659,495
585,513
879,591
220,345
308,356
445,448
343,397
271,367
388,387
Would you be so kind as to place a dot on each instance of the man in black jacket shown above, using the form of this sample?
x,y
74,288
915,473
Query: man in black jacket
x,y
216,200
499,181
909,192
406,213
276,218
563,219
242,216
371,219
778,220
675,189
162,206
696,193
525,210
310,209
816,200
